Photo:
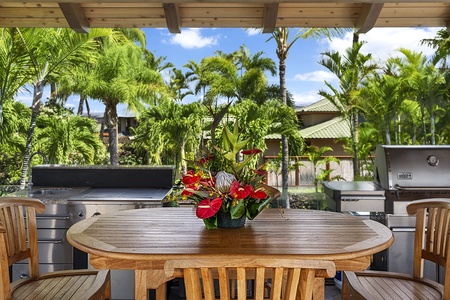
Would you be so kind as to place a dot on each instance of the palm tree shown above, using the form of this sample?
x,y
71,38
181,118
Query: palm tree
x,y
13,134
52,52
380,102
220,75
13,66
196,74
179,84
156,63
426,84
171,127
121,76
351,70
281,36
441,43
253,81
63,136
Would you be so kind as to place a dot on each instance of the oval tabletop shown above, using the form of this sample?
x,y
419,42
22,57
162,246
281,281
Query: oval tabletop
x,y
159,233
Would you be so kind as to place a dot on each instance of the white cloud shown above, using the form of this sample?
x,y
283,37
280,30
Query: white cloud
x,y
306,99
253,31
318,76
192,38
383,42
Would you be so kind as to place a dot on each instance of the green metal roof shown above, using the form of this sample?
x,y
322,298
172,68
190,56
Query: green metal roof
x,y
273,136
334,128
323,105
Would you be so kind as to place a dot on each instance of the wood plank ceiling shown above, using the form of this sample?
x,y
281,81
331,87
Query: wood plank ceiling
x,y
175,15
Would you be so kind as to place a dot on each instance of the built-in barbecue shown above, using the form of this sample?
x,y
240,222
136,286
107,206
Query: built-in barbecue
x,y
401,174
73,193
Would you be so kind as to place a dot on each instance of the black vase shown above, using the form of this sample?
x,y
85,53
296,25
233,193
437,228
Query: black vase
x,y
224,220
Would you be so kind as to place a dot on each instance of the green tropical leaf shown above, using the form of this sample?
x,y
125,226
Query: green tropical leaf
x,y
211,223
254,208
238,210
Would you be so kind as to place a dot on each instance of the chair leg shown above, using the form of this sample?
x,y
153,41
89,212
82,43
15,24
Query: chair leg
x,y
108,290
345,291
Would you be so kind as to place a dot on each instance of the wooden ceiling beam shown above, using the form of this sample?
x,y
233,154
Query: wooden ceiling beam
x,y
172,17
270,17
368,17
74,14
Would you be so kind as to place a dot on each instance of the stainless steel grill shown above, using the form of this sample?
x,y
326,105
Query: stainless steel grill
x,y
73,193
401,174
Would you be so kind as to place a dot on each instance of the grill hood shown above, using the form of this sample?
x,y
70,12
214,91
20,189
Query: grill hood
x,y
412,167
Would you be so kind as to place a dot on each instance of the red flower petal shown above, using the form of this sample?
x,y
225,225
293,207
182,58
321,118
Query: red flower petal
x,y
251,151
259,194
207,208
186,193
239,192
190,178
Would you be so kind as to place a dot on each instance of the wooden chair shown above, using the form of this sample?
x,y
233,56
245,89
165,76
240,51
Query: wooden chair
x,y
18,241
431,242
289,278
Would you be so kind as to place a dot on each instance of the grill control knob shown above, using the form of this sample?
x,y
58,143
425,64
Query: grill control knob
x,y
96,214
81,214
24,275
433,160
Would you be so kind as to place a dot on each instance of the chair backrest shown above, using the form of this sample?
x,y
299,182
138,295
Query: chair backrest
x,y
18,236
289,278
431,240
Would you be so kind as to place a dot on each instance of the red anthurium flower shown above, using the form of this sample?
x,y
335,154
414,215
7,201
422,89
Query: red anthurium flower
x,y
251,151
239,192
259,194
190,178
186,193
208,208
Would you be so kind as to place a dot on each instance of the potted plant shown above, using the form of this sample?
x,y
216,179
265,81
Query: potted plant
x,y
225,189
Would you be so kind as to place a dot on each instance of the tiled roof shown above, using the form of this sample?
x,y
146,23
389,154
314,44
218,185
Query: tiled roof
x,y
273,136
323,105
334,128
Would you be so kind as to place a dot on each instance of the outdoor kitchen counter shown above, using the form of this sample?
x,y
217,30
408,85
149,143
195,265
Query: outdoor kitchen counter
x,y
143,239
50,194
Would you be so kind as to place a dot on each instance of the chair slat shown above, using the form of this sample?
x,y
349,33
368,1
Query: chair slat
x,y
288,278
19,240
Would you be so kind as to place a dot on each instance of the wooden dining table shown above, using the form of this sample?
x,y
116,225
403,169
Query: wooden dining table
x,y
144,239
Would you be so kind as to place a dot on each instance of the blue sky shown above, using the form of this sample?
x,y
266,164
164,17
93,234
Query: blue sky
x,y
304,76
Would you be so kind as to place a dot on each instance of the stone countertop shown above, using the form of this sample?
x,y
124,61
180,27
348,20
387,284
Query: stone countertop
x,y
61,195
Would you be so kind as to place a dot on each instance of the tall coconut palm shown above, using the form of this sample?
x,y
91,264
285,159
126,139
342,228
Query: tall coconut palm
x,y
351,70
281,37
51,52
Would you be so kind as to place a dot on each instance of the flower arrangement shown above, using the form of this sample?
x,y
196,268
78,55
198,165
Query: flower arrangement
x,y
223,181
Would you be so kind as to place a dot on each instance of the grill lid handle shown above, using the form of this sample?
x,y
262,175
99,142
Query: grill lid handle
x,y
422,188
